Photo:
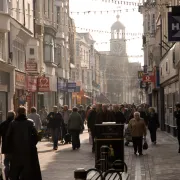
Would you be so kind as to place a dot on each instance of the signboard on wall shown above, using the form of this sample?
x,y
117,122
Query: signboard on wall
x,y
140,74
31,65
148,78
43,84
173,27
32,83
20,80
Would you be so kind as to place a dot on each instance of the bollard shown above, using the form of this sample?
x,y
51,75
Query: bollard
x,y
104,158
80,174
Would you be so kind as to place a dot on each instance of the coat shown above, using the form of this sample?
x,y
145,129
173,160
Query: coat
x,y
153,121
91,120
4,126
75,121
22,138
119,117
37,120
137,127
55,120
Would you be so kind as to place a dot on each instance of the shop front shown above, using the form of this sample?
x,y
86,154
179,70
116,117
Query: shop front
x,y
4,89
32,89
171,96
47,92
20,90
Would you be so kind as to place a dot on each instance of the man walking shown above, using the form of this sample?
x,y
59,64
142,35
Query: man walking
x,y
55,122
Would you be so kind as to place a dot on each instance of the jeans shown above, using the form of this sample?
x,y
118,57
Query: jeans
x,y
178,135
7,159
75,138
153,135
137,144
93,142
55,136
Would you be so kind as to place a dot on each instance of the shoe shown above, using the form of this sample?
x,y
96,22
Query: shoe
x,y
140,154
55,148
135,153
74,148
154,142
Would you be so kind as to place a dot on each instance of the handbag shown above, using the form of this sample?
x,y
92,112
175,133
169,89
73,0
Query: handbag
x,y
145,145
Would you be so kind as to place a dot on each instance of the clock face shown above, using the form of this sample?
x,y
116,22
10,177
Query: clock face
x,y
118,48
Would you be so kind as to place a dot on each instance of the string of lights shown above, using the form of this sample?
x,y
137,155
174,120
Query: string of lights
x,y
131,3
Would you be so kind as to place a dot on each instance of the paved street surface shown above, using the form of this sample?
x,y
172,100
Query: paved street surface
x,y
160,162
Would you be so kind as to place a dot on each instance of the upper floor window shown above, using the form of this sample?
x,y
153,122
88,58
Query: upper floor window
x,y
29,16
58,17
1,45
49,48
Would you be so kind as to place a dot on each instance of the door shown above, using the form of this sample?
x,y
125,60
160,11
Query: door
x,y
3,106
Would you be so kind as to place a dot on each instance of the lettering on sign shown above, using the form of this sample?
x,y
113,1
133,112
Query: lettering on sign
x,y
20,80
140,74
147,78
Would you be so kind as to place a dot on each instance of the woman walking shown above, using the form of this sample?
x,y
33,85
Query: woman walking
x,y
153,124
138,130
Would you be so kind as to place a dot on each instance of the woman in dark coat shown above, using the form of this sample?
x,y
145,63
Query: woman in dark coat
x,y
153,124
22,138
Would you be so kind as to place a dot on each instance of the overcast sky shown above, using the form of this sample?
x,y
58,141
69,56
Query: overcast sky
x,y
129,16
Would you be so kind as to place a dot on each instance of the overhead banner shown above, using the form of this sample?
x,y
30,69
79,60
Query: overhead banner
x,y
173,27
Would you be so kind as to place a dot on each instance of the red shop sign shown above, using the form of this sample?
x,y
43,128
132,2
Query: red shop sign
x,y
43,84
31,83
147,78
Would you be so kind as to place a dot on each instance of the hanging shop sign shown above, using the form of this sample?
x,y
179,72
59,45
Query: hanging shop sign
x,y
31,83
174,26
20,80
31,65
140,74
148,78
61,85
43,84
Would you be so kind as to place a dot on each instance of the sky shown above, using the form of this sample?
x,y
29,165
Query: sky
x,y
129,16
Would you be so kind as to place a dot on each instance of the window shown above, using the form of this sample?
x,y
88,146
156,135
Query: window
x,y
58,17
73,76
17,11
1,46
29,16
82,76
31,51
88,78
18,55
49,48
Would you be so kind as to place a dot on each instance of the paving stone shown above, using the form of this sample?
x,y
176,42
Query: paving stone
x,y
160,162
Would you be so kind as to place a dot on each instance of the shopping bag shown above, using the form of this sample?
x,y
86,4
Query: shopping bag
x,y
90,138
145,145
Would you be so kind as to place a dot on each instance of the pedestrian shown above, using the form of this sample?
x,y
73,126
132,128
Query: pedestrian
x,y
119,116
22,138
138,130
153,124
91,121
36,118
4,126
177,116
43,115
55,123
65,114
75,126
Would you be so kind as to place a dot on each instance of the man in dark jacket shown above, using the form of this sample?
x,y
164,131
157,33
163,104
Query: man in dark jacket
x,y
22,138
55,122
119,116
177,116
4,126
91,121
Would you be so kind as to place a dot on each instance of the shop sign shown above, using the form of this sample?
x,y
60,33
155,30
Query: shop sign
x,y
62,85
31,83
147,78
43,84
31,65
140,74
173,27
20,80
71,86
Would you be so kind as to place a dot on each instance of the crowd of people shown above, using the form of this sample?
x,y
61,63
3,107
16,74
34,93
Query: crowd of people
x,y
20,131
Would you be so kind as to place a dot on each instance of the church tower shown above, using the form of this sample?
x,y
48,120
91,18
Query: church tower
x,y
117,41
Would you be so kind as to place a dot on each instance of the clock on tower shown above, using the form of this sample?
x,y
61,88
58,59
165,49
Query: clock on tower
x,y
117,48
